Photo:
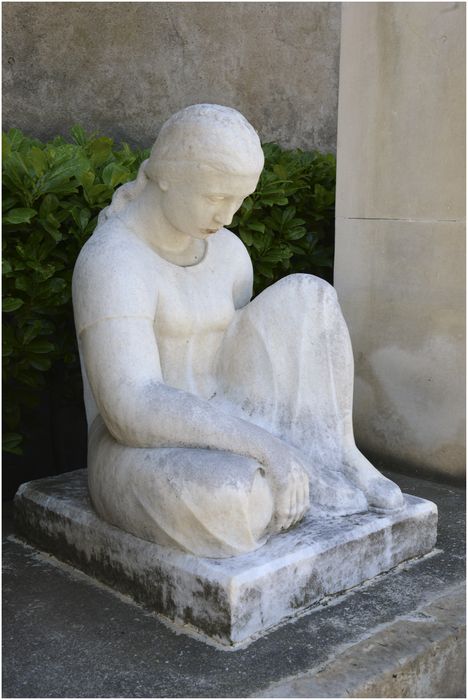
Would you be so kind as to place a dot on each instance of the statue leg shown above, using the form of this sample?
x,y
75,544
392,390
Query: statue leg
x,y
287,364
206,502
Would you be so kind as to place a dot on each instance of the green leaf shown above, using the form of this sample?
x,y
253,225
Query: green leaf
x,y
287,215
39,160
51,225
41,363
281,171
7,348
246,236
247,205
100,150
11,304
81,216
6,146
271,200
79,135
275,256
294,234
31,332
11,443
19,216
41,346
65,163
261,242
30,379
86,179
99,193
49,204
265,270
57,285
295,249
256,226
12,413
16,138
9,202
24,283
114,175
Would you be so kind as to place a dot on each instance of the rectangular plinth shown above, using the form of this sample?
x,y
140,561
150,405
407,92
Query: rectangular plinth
x,y
228,600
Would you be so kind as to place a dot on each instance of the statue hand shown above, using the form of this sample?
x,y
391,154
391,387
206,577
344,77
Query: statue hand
x,y
290,484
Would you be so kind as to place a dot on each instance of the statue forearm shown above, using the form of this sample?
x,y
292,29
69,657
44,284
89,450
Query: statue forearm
x,y
157,415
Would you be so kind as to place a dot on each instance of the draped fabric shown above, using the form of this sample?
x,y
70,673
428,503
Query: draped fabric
x,y
285,364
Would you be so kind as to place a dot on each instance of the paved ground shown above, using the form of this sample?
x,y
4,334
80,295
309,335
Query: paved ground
x,y
66,636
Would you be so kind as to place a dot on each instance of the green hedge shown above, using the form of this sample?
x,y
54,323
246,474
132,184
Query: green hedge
x,y
52,194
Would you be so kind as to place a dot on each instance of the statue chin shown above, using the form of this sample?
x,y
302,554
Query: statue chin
x,y
215,421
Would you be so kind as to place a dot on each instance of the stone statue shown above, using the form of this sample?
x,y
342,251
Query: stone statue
x,y
210,416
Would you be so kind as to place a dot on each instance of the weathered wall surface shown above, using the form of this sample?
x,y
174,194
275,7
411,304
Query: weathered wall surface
x,y
400,258
123,68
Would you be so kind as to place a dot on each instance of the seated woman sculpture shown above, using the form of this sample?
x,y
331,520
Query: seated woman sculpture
x,y
211,417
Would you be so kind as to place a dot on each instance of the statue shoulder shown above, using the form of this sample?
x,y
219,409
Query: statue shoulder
x,y
233,247
112,277
240,266
108,250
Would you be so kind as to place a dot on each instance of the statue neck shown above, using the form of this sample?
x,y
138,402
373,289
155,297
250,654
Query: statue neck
x,y
144,217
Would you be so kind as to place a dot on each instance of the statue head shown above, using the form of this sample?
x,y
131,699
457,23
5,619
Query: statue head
x,y
205,137
205,161
207,147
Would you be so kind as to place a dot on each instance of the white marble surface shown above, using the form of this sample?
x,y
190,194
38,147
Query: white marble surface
x,y
213,420
229,601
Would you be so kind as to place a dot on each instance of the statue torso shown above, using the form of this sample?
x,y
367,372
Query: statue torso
x,y
190,307
195,306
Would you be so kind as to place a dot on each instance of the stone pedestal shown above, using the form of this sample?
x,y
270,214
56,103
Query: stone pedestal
x,y
229,601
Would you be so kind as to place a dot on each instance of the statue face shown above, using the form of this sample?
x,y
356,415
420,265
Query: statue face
x,y
200,206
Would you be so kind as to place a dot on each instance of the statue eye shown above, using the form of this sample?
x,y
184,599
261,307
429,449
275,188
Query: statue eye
x,y
215,197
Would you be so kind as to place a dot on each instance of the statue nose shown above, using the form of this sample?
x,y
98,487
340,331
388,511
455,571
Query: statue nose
x,y
225,217
223,220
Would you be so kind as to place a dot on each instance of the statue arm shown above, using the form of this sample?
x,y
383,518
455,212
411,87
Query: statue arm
x,y
122,363
243,282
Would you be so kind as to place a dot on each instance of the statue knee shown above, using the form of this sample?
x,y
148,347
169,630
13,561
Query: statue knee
x,y
232,519
316,285
303,282
207,503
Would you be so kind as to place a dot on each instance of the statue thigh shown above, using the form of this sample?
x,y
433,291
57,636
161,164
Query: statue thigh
x,y
206,502
286,362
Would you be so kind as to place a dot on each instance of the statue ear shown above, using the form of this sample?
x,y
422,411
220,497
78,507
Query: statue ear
x,y
163,185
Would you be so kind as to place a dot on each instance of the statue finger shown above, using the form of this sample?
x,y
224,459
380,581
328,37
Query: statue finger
x,y
303,497
306,497
282,510
289,503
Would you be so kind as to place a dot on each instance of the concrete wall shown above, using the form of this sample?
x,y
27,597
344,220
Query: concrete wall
x,y
400,227
123,68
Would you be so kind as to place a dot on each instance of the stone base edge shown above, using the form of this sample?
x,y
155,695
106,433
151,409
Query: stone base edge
x,y
228,607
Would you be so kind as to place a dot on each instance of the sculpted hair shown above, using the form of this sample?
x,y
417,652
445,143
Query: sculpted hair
x,y
218,137
199,137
